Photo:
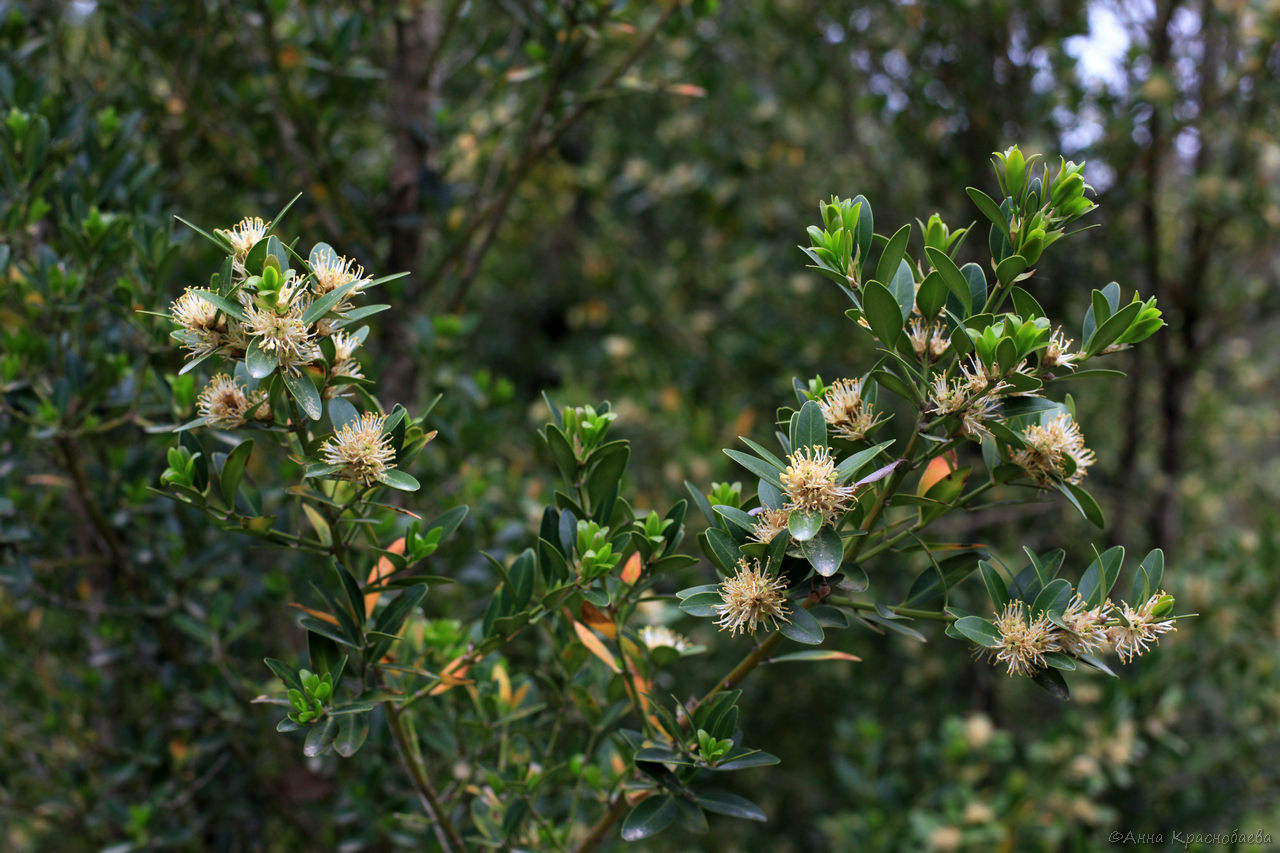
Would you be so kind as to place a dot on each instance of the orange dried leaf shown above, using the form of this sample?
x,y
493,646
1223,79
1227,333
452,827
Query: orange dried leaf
x,y
595,646
597,619
937,470
383,569
453,675
319,614
631,571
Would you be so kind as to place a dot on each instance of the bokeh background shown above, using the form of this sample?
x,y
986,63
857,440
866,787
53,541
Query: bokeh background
x,y
601,200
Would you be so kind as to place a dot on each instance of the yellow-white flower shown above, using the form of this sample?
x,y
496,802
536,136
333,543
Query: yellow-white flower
x,y
1087,627
656,636
845,410
1048,447
203,327
243,236
284,334
1139,628
930,340
1024,642
1056,354
223,402
344,361
810,483
334,271
769,523
360,449
750,598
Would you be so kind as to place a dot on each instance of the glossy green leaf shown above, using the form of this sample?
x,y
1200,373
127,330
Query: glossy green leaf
x,y
304,391
398,479
824,550
802,628
652,815
724,803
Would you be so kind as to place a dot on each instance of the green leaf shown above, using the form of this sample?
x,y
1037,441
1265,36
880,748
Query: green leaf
x,y
1101,576
651,816
891,257
723,547
1059,660
952,278
934,582
699,604
325,303
223,304
1110,331
996,589
1084,502
1148,577
1009,269
233,470
807,655
1053,598
220,242
735,516
979,630
824,551
398,479
882,313
741,758
258,361
903,288
320,738
1052,681
804,525
759,467
321,253
808,427
302,389
987,206
353,730
932,295
802,628
341,413
732,805
852,465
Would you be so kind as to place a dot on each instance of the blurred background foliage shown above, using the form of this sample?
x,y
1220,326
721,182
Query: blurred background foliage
x,y
601,200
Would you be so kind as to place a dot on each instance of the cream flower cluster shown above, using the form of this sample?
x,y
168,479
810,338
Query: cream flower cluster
x,y
1025,639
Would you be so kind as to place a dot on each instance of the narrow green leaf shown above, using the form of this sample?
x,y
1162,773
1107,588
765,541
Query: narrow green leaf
x,y
732,805
952,277
233,470
891,257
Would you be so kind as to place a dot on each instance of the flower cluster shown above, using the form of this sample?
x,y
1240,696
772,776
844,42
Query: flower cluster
x,y
267,308
225,403
974,398
1055,452
750,598
769,523
846,411
810,483
928,341
361,450
1026,639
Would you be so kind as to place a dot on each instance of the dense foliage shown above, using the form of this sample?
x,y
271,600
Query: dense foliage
x,y
599,201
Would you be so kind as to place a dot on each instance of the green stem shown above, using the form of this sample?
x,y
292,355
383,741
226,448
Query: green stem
x,y
448,837
935,615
